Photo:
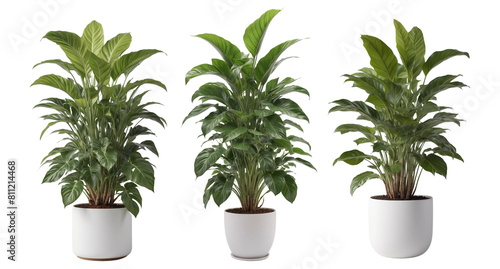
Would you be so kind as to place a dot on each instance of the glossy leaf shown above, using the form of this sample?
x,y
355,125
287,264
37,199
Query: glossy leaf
x,y
440,56
352,157
275,181
289,189
93,37
226,49
115,47
205,159
382,58
73,47
71,191
140,171
361,179
255,32
128,62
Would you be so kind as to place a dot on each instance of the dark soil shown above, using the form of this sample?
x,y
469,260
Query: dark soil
x,y
258,211
100,206
385,197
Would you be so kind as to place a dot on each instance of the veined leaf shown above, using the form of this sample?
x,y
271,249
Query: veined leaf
x,y
212,91
440,56
93,37
71,191
198,110
290,188
64,84
221,189
100,68
68,67
128,62
255,32
140,171
206,159
275,181
418,42
382,58
115,47
274,127
131,198
352,157
74,49
361,179
107,158
289,108
227,50
405,47
266,65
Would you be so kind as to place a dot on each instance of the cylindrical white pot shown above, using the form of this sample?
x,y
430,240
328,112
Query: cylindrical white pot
x,y
250,236
401,228
102,233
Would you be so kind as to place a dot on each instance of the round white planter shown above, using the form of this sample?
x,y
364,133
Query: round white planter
x,y
102,233
401,228
250,236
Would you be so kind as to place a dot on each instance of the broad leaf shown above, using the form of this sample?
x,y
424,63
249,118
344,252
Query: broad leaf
x,y
221,190
107,158
265,67
131,198
382,58
275,181
289,189
440,56
255,32
227,50
140,171
115,47
71,191
197,111
66,85
274,127
206,159
352,157
74,49
128,62
93,37
361,179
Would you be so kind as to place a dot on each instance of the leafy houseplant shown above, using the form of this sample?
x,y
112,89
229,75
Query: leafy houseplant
x,y
405,130
251,153
101,118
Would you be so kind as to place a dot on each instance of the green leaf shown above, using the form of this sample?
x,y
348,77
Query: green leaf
x,y
299,139
150,145
212,91
289,189
100,68
71,191
352,157
289,108
418,42
211,121
293,124
60,166
115,47
382,58
361,179
437,85
140,171
235,133
206,159
433,163
405,47
241,146
366,131
107,158
221,190
66,85
203,69
262,113
138,83
266,65
197,110
304,162
274,126
73,47
440,56
300,151
275,181
93,37
92,173
68,67
128,62
227,50
131,198
255,32
266,161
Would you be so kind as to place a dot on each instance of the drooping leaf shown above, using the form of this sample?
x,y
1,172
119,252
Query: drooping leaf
x,y
140,171
274,126
352,157
131,198
266,65
74,49
275,181
227,50
128,62
66,85
71,191
206,159
361,179
290,188
221,190
197,111
107,158
440,56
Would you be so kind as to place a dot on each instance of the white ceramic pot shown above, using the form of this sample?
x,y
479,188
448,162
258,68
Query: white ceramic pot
x,y
102,233
401,228
250,236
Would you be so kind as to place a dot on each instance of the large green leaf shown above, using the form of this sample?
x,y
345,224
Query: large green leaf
x,y
433,163
206,159
71,191
74,49
366,131
290,188
100,68
405,47
361,179
93,37
418,43
265,67
140,171
66,85
227,50
60,166
221,190
255,32
266,161
352,157
304,162
128,62
197,110
131,198
68,67
205,69
115,47
274,127
235,133
275,181
211,121
107,158
382,58
440,56
289,108
437,85
212,91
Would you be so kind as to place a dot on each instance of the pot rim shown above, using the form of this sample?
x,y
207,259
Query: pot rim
x,y
249,214
428,197
104,208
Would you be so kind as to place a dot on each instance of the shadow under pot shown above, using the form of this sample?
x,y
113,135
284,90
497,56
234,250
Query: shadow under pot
x,y
101,234
401,228
250,235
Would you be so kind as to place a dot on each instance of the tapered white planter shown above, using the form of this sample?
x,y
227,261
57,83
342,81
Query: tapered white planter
x,y
250,236
102,233
401,228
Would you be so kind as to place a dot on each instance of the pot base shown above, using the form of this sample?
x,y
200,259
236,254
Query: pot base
x,y
101,260
250,259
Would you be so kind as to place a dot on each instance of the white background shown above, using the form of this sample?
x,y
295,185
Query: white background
x,y
173,230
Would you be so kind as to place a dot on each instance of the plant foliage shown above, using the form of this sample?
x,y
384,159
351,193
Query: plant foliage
x,y
251,152
102,118
405,122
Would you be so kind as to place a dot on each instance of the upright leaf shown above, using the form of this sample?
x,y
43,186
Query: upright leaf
x,y
226,49
74,49
115,47
93,37
128,62
205,159
382,58
255,32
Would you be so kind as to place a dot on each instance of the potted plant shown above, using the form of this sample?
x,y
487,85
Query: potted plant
x,y
405,133
250,152
101,118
